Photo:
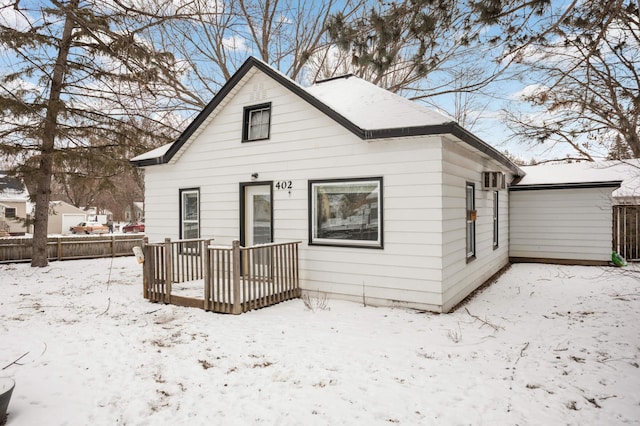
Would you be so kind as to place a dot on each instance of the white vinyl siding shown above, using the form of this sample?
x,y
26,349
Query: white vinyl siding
x,y
460,277
561,224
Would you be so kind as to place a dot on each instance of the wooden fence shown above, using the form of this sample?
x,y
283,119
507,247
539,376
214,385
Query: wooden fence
x,y
626,231
19,249
221,279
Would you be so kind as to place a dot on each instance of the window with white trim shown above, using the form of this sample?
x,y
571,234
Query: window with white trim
x,y
471,220
495,219
257,120
189,213
346,212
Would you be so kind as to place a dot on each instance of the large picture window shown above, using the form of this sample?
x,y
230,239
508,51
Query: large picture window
x,y
346,212
189,213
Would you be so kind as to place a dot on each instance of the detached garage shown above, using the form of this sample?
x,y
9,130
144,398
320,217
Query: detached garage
x,y
62,216
563,213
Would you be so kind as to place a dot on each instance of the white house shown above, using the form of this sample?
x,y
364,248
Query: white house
x,y
14,197
394,203
564,213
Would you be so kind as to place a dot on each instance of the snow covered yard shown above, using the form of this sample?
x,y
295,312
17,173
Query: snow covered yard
x,y
544,344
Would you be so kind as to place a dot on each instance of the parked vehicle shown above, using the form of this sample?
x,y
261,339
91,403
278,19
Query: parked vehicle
x,y
89,228
133,227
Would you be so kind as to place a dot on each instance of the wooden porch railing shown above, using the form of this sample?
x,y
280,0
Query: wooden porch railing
x,y
229,279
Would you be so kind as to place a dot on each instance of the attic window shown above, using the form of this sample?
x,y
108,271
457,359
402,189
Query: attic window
x,y
256,122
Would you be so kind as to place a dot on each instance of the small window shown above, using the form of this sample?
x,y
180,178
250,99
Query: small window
x,y
471,221
189,214
346,212
495,219
10,212
257,121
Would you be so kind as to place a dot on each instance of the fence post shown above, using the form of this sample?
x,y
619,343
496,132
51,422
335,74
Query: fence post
x,y
298,292
206,272
235,248
168,272
59,248
145,268
113,245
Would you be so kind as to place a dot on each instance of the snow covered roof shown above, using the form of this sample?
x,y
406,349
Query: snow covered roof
x,y
584,174
371,107
362,108
12,189
154,153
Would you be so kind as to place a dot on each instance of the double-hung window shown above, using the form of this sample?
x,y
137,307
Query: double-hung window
x,y
189,213
495,220
257,121
346,212
10,212
471,220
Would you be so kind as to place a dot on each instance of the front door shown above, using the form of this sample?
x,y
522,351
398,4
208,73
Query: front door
x,y
257,221
256,227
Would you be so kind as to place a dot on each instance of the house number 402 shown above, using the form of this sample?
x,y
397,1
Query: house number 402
x,y
283,184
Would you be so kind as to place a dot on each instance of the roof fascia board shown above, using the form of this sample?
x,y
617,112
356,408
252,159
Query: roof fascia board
x,y
576,185
204,114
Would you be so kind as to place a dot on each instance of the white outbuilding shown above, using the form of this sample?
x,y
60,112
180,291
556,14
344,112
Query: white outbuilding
x,y
576,213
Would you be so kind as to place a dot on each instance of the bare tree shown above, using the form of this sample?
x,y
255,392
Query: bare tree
x,y
216,39
587,85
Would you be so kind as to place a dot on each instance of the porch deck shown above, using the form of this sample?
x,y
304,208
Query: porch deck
x,y
221,279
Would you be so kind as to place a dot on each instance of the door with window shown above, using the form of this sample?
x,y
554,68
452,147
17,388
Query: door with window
x,y
257,215
257,226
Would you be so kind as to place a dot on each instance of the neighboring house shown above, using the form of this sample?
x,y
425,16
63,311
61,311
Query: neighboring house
x,y
395,204
63,216
4,226
565,213
135,212
15,199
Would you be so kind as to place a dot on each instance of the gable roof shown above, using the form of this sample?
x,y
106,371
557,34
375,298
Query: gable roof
x,y
367,111
12,189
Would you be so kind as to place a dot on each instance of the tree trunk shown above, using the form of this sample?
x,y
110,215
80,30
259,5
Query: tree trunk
x,y
43,179
634,143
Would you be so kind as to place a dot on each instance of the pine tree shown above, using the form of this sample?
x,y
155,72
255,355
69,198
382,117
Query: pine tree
x,y
76,78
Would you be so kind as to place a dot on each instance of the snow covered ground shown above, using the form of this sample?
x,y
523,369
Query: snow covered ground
x,y
543,345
